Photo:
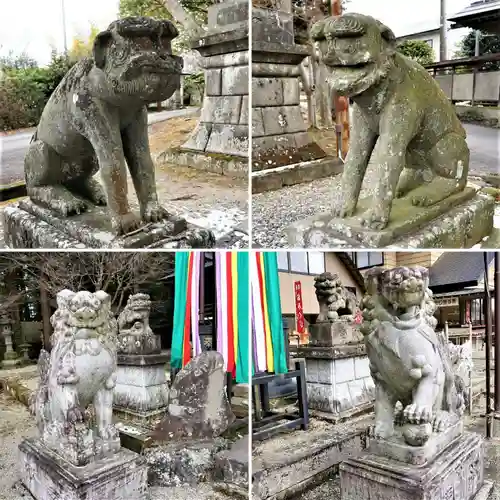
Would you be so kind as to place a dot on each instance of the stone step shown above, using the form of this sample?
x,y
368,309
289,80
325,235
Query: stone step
x,y
276,178
288,464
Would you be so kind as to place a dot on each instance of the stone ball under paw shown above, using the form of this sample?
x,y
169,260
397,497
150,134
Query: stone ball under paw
x,y
417,435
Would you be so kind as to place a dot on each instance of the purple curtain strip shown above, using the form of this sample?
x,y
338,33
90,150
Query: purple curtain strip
x,y
218,306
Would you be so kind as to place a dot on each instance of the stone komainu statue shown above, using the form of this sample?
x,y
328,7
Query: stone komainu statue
x,y
134,319
402,122
73,402
97,119
335,301
410,364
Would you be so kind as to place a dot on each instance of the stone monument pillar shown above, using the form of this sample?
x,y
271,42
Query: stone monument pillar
x,y
283,151
10,357
77,454
337,369
419,449
219,143
140,397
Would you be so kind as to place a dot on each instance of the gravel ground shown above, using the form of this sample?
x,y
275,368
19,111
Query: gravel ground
x,y
274,211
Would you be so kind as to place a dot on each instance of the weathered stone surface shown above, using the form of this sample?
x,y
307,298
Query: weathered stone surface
x,y
48,477
141,384
457,473
416,384
228,140
407,127
334,334
213,82
276,177
198,406
97,119
73,401
27,225
286,465
445,225
182,462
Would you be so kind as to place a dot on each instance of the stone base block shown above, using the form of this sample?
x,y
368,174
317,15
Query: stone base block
x,y
27,225
132,436
288,464
288,175
395,448
222,164
457,473
47,476
460,221
178,462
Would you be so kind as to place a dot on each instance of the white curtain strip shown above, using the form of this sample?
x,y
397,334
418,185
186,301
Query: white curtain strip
x,y
260,335
195,304
223,306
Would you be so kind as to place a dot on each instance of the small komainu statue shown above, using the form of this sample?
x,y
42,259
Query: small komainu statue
x,y
402,122
135,334
97,119
416,384
335,301
73,402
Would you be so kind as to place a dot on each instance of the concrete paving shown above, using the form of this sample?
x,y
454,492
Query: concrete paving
x,y
13,146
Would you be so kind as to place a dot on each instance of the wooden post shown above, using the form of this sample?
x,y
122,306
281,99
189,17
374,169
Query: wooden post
x,y
341,103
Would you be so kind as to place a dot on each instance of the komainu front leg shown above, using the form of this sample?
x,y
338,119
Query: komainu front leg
x,y
384,412
103,404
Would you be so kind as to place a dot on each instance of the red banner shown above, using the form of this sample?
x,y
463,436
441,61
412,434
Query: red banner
x,y
299,311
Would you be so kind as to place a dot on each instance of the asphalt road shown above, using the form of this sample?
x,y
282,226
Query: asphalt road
x,y
13,147
484,143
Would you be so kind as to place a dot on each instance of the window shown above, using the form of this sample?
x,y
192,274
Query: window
x,y
283,261
367,259
316,262
302,262
298,262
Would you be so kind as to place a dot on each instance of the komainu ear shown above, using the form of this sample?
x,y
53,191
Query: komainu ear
x,y
100,48
387,33
63,298
104,297
318,31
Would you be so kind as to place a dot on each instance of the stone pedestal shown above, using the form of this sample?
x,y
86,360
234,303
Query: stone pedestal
x,y
47,476
140,397
281,144
27,225
456,473
337,369
459,221
222,132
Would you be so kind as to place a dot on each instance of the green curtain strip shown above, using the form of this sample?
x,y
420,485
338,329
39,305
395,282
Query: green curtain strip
x,y
180,301
242,355
274,307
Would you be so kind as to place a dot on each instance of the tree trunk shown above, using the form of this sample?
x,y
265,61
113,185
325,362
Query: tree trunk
x,y
45,306
183,17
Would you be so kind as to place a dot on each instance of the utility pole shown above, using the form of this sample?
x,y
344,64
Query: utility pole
x,y
64,28
487,317
443,52
341,103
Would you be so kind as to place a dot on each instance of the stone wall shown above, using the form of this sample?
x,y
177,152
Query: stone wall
x,y
481,86
339,385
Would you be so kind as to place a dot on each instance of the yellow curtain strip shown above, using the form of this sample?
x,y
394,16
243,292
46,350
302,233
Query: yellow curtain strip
x,y
267,326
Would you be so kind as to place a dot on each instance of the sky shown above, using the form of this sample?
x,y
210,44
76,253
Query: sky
x,y
42,26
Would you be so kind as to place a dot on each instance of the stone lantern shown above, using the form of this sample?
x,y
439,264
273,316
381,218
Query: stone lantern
x,y
10,357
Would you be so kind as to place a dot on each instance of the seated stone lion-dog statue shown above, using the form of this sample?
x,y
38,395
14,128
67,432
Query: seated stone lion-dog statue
x,y
97,119
335,301
402,122
410,364
73,402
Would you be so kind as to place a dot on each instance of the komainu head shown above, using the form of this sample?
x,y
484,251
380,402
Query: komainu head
x,y
135,53
358,50
84,309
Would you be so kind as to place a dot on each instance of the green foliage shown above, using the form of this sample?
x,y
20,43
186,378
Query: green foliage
x,y
418,50
194,84
24,91
488,44
21,61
